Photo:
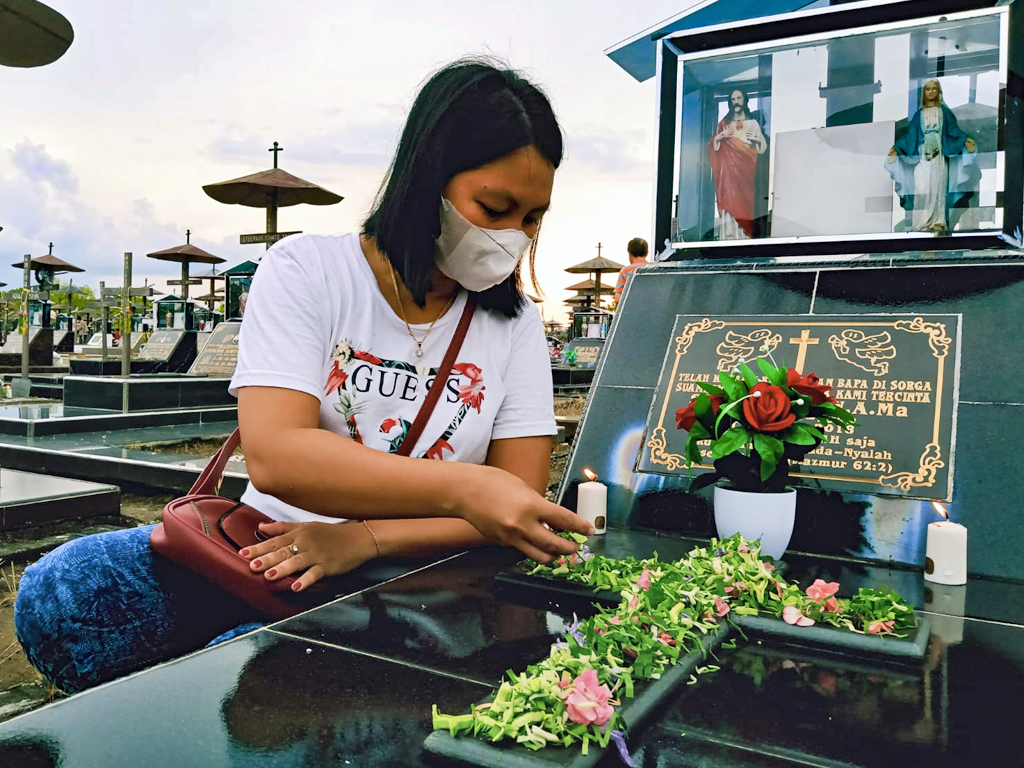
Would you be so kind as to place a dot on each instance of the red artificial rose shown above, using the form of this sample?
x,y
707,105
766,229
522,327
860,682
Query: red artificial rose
x,y
771,411
809,385
686,417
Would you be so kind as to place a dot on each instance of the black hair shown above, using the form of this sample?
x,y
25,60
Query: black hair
x,y
637,248
467,114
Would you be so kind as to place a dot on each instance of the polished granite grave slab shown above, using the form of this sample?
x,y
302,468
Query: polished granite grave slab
x,y
116,455
30,498
39,420
354,680
964,705
445,618
262,700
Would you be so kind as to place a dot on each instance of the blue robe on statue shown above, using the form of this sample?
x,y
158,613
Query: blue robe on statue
x,y
964,173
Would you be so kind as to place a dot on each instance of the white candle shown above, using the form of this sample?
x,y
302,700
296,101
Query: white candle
x,y
592,502
945,559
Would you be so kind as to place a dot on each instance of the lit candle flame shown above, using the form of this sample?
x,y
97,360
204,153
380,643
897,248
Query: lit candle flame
x,y
591,474
939,509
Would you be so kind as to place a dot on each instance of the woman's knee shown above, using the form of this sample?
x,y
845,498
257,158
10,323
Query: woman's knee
x,y
86,609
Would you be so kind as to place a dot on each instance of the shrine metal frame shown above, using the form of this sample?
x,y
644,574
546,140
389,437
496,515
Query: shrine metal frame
x,y
850,18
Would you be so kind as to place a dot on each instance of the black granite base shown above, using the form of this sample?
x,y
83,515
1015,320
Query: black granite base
x,y
28,499
146,393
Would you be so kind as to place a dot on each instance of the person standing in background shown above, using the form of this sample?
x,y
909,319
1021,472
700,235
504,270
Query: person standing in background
x,y
637,249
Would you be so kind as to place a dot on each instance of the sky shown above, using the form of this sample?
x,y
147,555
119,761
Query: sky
x,y
106,150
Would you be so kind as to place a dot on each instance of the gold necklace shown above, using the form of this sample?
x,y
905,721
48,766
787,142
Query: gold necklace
x,y
401,310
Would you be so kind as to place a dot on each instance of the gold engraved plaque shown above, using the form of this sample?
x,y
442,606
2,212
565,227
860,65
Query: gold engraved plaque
x,y
898,375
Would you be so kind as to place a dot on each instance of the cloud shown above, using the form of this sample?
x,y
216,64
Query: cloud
x,y
42,203
367,143
33,161
623,152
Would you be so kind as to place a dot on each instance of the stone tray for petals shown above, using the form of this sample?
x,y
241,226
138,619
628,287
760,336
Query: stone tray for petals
x,y
517,584
648,695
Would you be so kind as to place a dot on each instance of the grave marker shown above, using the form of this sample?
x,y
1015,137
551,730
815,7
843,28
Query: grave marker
x,y
162,345
897,374
220,354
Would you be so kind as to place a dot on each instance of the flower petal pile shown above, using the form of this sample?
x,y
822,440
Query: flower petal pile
x,y
666,611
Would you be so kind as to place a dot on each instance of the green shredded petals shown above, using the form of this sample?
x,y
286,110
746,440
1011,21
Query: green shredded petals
x,y
651,628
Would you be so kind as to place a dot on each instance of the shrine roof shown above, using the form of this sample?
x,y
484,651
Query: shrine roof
x,y
636,54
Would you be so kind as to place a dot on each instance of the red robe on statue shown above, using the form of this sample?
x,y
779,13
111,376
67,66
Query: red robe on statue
x,y
733,166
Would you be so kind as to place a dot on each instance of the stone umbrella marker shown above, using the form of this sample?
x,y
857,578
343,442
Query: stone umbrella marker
x,y
32,34
214,293
185,254
596,267
271,189
46,268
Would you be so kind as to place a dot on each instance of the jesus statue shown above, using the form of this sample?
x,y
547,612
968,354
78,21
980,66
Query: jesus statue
x,y
933,163
733,152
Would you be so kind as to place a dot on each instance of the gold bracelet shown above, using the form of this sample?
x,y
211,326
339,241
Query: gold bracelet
x,y
373,536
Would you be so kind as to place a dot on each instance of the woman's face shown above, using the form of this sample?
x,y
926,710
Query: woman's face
x,y
931,92
512,192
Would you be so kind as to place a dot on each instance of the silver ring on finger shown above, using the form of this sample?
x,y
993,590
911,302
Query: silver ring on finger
x,y
294,549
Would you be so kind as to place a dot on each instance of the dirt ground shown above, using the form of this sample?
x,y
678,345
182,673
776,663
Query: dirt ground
x,y
14,668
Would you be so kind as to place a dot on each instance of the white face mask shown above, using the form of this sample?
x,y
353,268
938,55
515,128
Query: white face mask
x,y
476,258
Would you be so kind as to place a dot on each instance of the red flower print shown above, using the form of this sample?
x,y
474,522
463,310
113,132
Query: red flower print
x,y
436,451
336,379
473,392
366,357
472,371
388,424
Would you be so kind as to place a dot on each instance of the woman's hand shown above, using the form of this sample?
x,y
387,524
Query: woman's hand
x,y
892,154
508,511
969,145
324,549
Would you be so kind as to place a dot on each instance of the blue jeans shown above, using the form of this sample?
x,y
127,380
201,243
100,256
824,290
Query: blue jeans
x,y
101,606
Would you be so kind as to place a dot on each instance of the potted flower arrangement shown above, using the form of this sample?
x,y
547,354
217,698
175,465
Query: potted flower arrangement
x,y
754,427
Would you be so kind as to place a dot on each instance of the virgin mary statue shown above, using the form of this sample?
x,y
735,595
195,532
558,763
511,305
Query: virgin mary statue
x,y
933,164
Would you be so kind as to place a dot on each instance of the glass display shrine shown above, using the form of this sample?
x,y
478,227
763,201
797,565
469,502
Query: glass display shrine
x,y
175,314
819,129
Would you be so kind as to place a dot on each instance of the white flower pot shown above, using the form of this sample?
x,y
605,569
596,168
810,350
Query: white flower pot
x,y
765,516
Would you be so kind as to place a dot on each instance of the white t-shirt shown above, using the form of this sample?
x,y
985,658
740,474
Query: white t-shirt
x,y
317,322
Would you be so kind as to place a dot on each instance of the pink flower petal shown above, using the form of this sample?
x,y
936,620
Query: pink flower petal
x,y
821,589
644,582
792,615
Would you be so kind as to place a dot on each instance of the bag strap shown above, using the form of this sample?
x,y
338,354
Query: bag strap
x,y
209,481
439,382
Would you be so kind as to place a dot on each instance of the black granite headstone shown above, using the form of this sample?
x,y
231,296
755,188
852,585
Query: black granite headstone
x,y
980,305
64,342
162,345
220,353
40,348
